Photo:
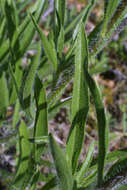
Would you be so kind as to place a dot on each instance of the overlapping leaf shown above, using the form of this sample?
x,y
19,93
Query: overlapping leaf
x,y
41,122
80,101
62,168
27,85
49,49
24,147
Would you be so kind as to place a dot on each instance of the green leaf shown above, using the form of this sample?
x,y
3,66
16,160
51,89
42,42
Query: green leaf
x,y
86,163
35,180
60,45
110,8
23,5
86,181
24,147
2,30
54,109
119,15
16,80
80,101
39,140
16,114
60,6
50,184
82,16
26,32
15,84
4,96
12,24
2,5
48,48
102,126
63,170
28,28
27,85
4,50
116,168
41,120
62,82
115,26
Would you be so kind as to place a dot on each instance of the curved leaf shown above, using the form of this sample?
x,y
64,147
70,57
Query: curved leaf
x,y
63,170
80,101
102,126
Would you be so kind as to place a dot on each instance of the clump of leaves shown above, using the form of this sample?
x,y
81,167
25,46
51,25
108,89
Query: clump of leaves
x,y
27,90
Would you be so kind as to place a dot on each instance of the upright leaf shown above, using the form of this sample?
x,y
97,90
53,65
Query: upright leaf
x,y
82,16
12,25
24,147
49,49
63,170
29,32
16,114
86,163
60,44
102,126
27,85
17,76
60,7
35,180
110,8
41,122
80,101
4,96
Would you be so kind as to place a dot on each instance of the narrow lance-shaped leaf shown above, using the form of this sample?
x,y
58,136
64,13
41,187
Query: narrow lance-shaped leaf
x,y
35,180
84,16
119,167
110,9
102,126
78,18
60,44
119,15
16,114
50,184
86,163
2,30
12,24
59,15
80,101
41,123
48,48
26,32
115,26
27,85
16,80
60,7
4,98
96,43
2,4
63,170
24,147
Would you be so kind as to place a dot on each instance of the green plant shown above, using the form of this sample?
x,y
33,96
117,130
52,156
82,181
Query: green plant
x,y
27,91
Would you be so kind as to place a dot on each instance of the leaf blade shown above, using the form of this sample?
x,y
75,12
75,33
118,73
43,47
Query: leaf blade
x,y
63,170
80,101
